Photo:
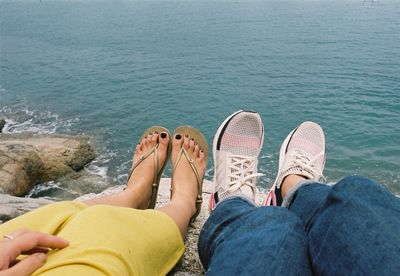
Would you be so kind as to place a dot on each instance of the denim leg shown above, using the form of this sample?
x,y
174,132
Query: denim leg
x,y
241,239
308,201
353,228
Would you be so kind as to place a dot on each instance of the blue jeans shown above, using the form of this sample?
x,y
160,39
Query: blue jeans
x,y
351,228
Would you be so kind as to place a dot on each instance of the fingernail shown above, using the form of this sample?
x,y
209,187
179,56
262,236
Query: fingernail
x,y
178,136
186,135
150,133
163,135
156,132
40,256
191,139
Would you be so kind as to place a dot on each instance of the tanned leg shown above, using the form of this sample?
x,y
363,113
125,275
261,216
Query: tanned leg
x,y
183,202
138,190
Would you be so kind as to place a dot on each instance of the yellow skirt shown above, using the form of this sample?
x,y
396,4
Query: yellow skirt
x,y
104,239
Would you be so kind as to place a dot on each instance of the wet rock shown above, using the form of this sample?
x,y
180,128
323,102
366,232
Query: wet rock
x,y
12,206
2,123
28,159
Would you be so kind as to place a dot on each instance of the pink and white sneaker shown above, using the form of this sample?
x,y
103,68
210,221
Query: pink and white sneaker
x,y
236,147
302,153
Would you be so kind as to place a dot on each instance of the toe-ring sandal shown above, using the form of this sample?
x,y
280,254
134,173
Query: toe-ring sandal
x,y
157,170
199,138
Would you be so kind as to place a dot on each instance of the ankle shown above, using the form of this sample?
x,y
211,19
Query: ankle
x,y
289,182
185,201
138,196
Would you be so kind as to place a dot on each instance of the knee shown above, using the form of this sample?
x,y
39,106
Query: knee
x,y
357,183
354,187
356,180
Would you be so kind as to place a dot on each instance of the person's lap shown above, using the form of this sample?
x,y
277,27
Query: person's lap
x,y
104,239
350,227
239,238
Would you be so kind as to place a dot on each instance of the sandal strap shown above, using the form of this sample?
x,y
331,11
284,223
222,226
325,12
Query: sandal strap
x,y
183,152
156,164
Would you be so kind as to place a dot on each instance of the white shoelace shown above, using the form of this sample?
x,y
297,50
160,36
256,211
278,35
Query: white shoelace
x,y
242,173
305,164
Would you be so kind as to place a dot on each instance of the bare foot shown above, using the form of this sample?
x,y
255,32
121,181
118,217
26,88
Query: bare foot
x,y
142,177
185,186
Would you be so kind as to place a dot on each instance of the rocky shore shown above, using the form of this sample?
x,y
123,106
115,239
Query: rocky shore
x,y
28,159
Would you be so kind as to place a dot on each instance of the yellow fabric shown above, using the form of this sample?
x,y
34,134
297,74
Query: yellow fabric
x,y
104,239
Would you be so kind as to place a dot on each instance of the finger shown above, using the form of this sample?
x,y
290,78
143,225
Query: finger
x,y
14,262
36,250
31,239
36,239
28,265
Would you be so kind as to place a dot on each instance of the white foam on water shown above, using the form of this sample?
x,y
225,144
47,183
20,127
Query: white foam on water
x,y
21,119
123,172
121,178
96,170
46,187
99,165
43,187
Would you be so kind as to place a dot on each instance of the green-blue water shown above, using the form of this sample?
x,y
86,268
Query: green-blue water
x,y
110,69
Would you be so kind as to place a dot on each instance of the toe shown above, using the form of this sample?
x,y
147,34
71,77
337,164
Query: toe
x,y
163,138
191,145
196,149
177,142
154,137
148,137
201,154
144,142
138,152
138,149
186,142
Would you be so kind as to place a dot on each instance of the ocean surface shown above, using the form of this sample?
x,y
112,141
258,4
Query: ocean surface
x,y
110,69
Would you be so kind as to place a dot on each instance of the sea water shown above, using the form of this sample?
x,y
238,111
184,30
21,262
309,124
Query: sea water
x,y
110,69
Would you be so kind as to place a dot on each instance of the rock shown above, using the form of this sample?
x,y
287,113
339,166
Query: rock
x,y
11,206
20,168
28,159
2,123
81,183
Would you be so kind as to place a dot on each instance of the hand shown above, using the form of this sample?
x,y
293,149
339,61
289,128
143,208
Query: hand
x,y
26,242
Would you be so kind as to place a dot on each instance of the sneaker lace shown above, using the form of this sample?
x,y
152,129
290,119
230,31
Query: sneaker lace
x,y
242,172
308,163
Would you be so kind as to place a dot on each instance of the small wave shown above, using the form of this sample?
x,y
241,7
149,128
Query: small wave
x,y
123,172
97,170
99,165
51,190
21,119
121,178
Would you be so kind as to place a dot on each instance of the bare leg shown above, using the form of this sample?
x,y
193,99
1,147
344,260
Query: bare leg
x,y
138,191
289,182
183,202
